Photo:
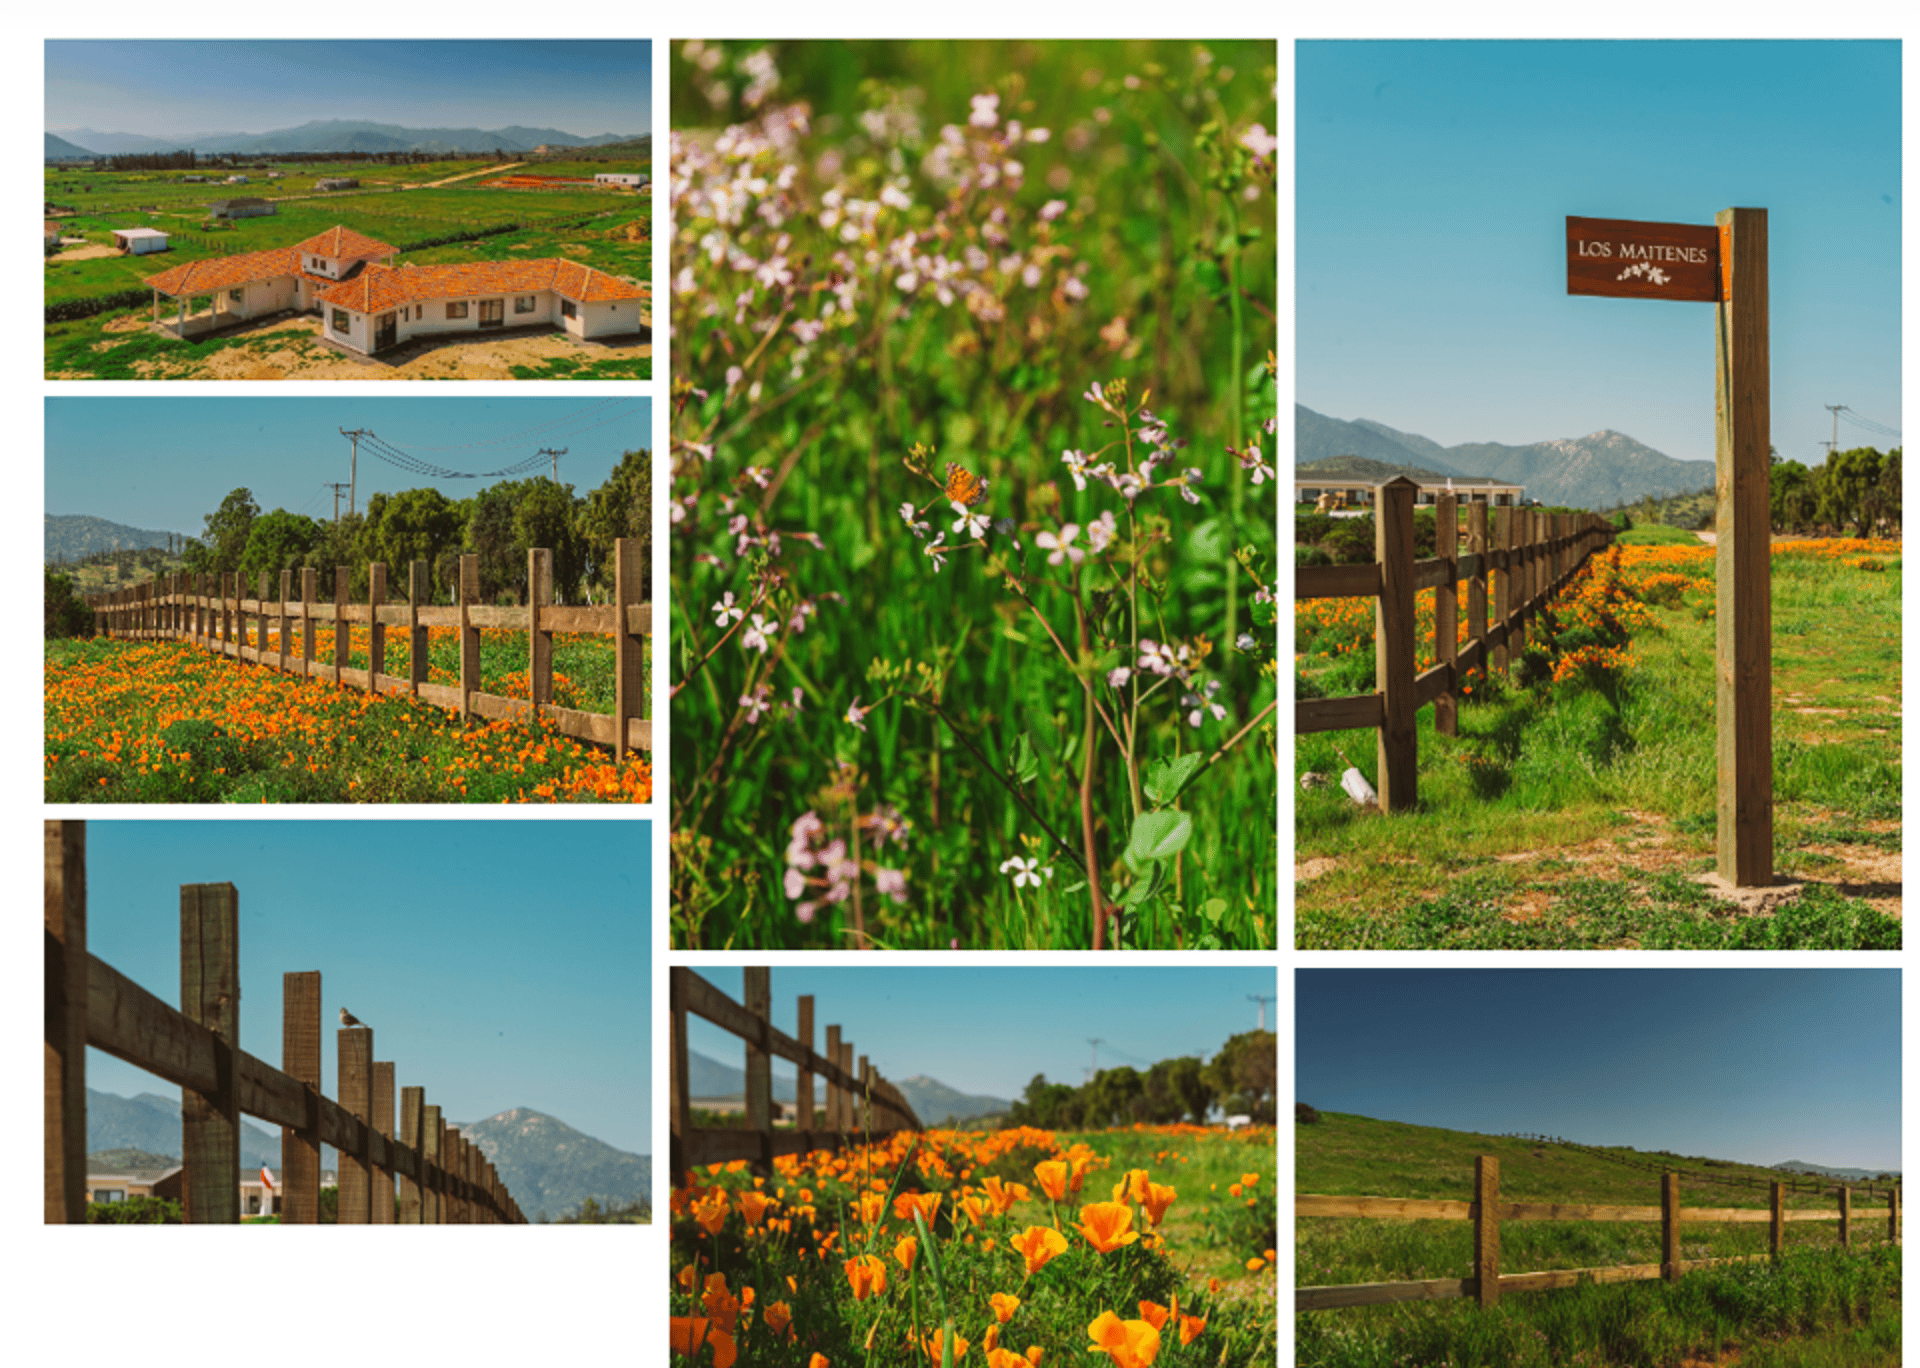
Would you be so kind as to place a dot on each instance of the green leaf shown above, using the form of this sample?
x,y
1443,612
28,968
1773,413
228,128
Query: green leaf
x,y
1026,764
1164,777
1142,889
1159,836
1214,908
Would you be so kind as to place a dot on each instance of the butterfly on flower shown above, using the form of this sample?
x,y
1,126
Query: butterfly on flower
x,y
963,486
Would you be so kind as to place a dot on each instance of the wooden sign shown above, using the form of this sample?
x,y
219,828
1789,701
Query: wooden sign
x,y
1643,260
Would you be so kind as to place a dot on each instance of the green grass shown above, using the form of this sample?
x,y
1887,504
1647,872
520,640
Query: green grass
x,y
1004,400
1817,1304
1657,534
1571,816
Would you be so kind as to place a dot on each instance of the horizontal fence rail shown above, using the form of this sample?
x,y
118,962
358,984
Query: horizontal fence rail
x,y
1487,1212
214,612
1517,565
443,1177
859,1102
1801,1183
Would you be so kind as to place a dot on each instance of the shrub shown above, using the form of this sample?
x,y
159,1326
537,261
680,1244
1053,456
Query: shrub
x,y
136,1211
1305,1115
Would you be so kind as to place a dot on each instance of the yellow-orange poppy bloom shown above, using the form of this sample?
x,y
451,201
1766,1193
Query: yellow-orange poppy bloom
x,y
904,1249
1006,1358
721,1304
1249,1179
868,1207
976,1208
1157,1200
867,1275
1004,1305
1190,1328
1107,1225
1052,1175
818,1361
1004,1195
1129,1344
1132,1188
1038,1244
927,1202
1155,1314
936,1345
779,1319
689,1334
753,1206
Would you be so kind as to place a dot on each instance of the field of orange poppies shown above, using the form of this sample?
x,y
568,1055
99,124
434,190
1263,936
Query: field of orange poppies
x,y
168,722
1151,1245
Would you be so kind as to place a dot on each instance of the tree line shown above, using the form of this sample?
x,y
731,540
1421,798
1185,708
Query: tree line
x,y
1239,1080
499,524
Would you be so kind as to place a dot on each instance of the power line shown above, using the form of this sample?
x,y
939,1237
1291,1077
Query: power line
x,y
537,427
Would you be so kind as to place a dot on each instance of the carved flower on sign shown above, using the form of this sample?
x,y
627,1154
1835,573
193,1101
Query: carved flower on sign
x,y
1653,273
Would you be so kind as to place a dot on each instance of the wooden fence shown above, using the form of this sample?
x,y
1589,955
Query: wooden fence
x,y
210,611
1535,553
1487,1211
859,1104
443,1178
1806,1182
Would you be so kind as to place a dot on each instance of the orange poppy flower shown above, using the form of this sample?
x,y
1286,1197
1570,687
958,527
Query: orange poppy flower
x,y
904,1250
1004,1195
1132,1188
1039,1244
867,1275
936,1345
1129,1344
1004,1305
1052,1174
779,1319
1157,1200
927,1202
753,1206
1107,1225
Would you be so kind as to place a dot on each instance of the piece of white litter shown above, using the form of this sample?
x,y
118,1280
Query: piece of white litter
x,y
1358,789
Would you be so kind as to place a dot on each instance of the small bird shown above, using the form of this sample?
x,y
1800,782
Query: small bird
x,y
349,1019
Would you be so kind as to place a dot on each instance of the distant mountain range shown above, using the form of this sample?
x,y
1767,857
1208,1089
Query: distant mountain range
x,y
1802,1166
70,536
932,1101
59,149
1601,470
546,1164
326,135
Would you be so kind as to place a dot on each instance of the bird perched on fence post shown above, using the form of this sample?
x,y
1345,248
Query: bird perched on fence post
x,y
349,1019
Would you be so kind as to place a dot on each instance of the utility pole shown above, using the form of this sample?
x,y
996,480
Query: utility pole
x,y
556,455
1263,1001
353,471
336,488
1834,445
1094,1067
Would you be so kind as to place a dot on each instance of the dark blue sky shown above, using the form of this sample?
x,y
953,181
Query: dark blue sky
x,y
1434,180
1758,1065
177,87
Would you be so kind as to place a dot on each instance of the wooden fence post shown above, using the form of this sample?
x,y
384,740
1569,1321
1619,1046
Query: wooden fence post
x,y
226,583
1502,588
539,641
803,1083
239,617
1779,1240
1670,1227
629,589
1893,1213
836,1120
418,589
284,619
1846,1215
261,599
1742,554
433,1195
309,595
413,1107
866,1093
342,634
1393,644
65,1097
210,995
355,1073
679,1101
469,634
849,1099
382,1212
376,629
757,997
300,1059
1486,1228
1446,611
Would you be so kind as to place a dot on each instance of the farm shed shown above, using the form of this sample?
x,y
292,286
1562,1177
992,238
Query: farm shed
x,y
139,241
337,183
633,180
240,206
1358,490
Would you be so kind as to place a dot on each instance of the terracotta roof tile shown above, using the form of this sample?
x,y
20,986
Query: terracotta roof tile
x,y
340,241
221,273
378,288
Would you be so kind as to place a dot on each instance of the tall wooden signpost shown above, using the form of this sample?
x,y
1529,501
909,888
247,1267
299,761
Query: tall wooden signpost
x,y
1726,266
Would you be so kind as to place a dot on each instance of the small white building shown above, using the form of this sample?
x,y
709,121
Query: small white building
x,y
241,206
139,241
632,180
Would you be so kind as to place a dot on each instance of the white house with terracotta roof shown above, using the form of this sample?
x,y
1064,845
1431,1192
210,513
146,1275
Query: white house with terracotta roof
x,y
369,305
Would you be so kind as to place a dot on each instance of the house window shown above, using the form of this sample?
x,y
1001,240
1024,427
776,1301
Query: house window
x,y
568,309
237,296
523,303
110,1195
341,323
457,310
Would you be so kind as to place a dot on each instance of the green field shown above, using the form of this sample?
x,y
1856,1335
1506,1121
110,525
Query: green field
x,y
1818,1304
590,226
1574,815
965,711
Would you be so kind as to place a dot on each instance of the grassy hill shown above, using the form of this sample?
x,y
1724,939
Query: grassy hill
x,y
1819,1304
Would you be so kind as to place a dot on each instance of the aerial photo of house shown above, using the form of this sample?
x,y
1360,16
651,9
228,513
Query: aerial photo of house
x,y
350,241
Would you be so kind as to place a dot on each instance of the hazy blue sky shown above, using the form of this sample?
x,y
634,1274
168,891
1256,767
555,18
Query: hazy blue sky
x,y
989,1030
164,464
1434,180
178,87
499,964
1758,1065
